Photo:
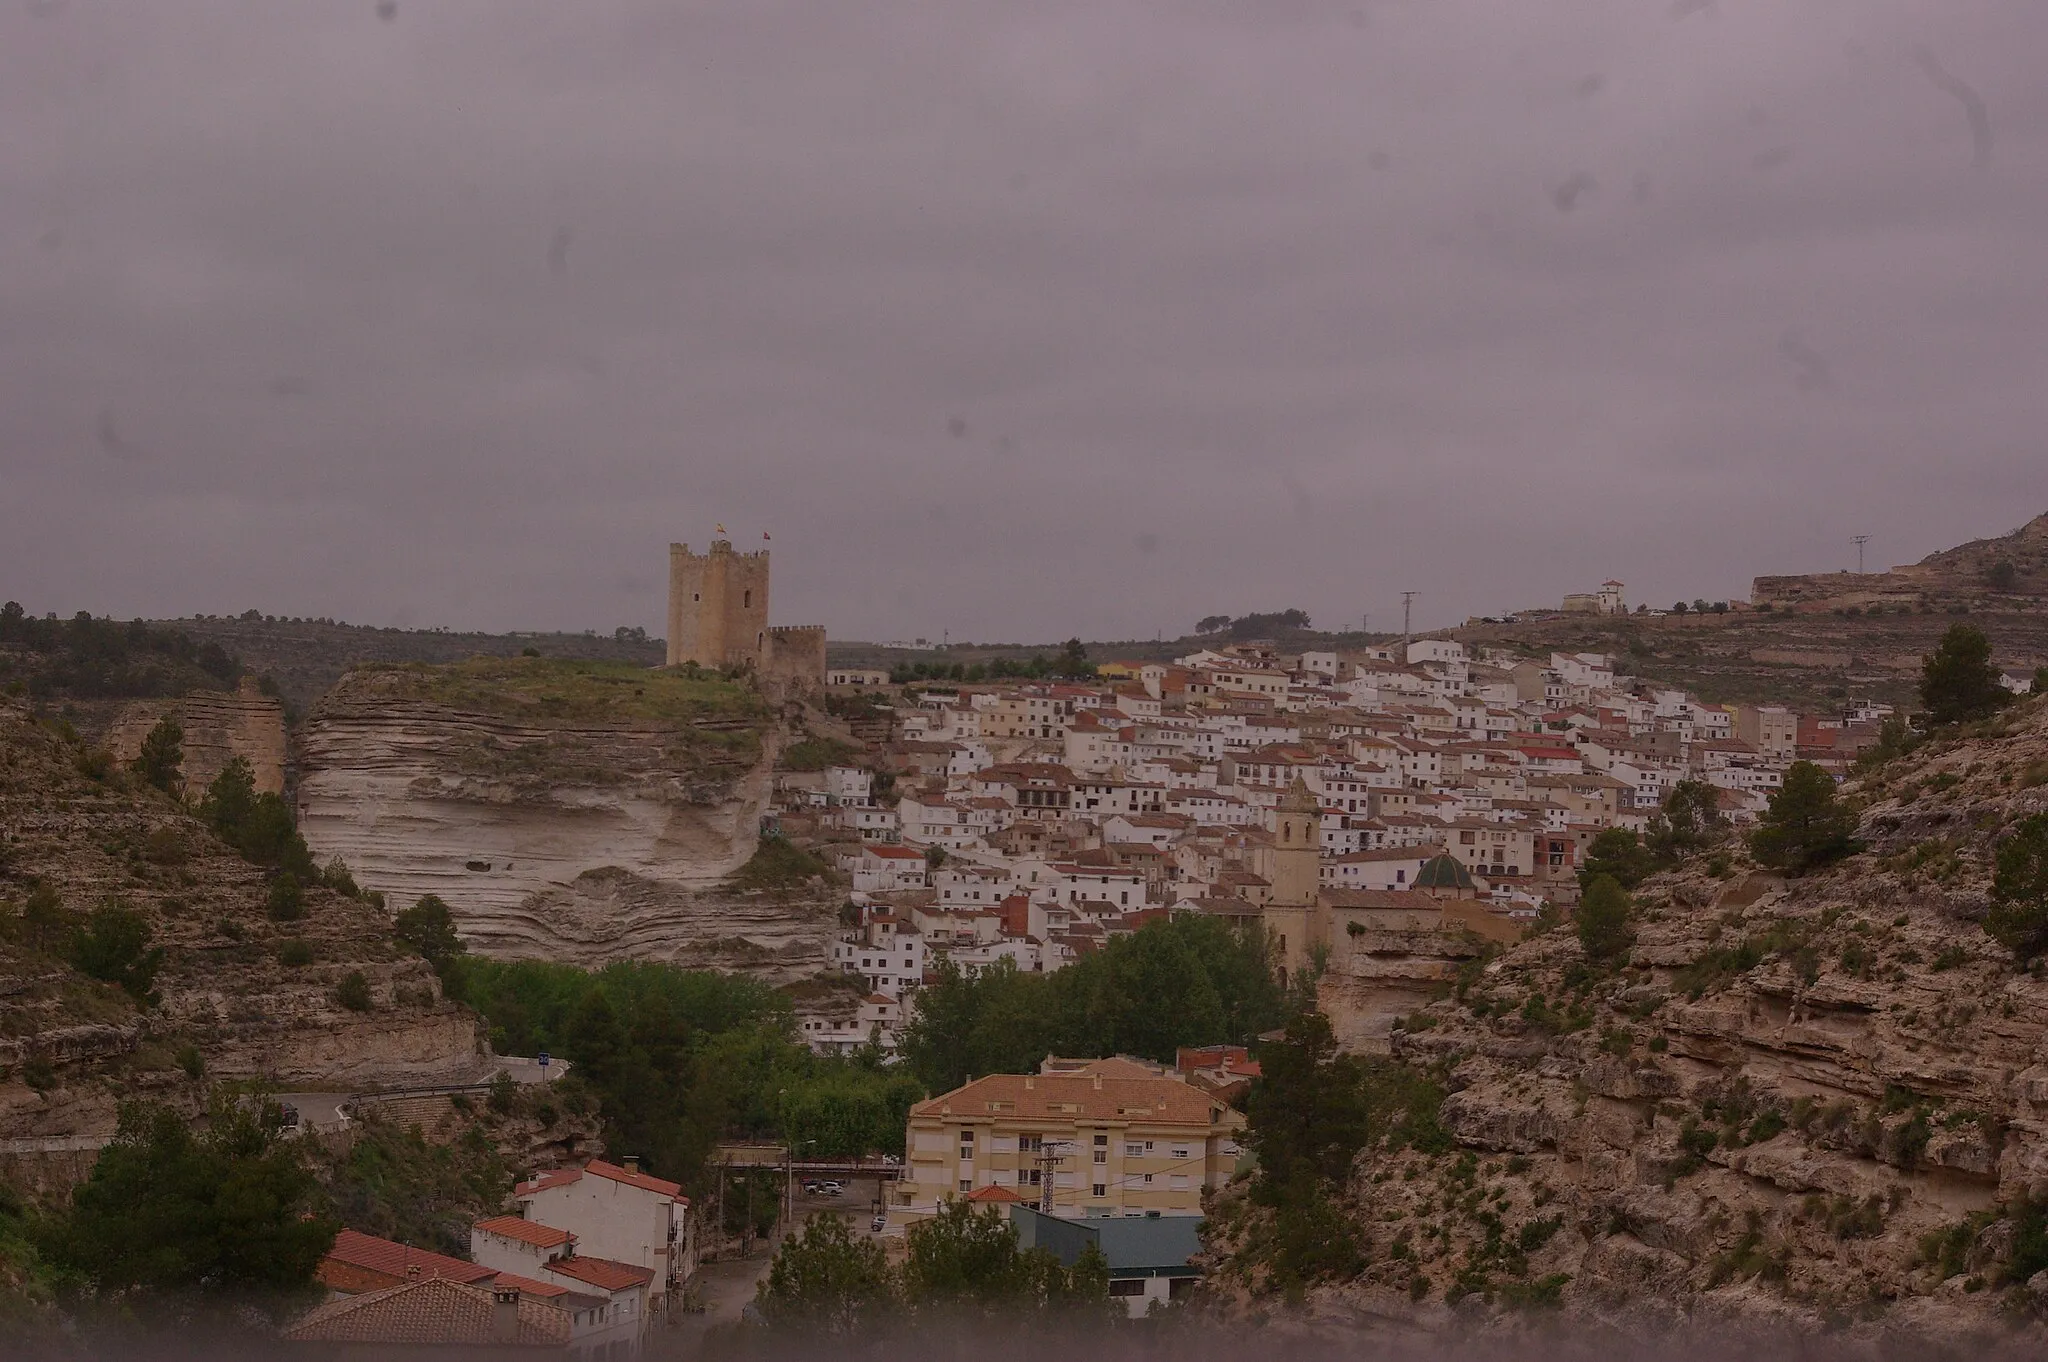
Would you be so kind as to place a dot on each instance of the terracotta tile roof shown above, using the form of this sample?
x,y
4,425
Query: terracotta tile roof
x,y
364,1262
560,1177
435,1312
525,1231
993,1193
529,1287
1098,1092
602,1273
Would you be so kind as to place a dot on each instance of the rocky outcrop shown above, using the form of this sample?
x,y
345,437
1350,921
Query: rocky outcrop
x,y
1822,1102
568,839
218,728
237,996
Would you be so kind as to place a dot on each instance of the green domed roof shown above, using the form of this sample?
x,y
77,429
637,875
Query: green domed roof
x,y
1444,871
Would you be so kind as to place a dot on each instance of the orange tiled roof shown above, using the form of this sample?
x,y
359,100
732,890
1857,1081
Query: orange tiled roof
x,y
433,1311
525,1231
993,1193
363,1262
602,1273
562,1177
1105,1090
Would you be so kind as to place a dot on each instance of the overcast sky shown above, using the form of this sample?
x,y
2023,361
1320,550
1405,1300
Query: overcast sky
x,y
1014,320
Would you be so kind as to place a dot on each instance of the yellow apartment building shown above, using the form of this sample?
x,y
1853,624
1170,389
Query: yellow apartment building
x,y
1114,1137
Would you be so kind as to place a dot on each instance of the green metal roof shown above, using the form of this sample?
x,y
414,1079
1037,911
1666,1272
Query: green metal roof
x,y
1444,872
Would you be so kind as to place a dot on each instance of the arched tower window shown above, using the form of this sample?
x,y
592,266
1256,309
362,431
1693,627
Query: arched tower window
x,y
747,600
1287,832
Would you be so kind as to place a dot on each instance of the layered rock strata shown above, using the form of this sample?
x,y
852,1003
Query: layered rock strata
x,y
581,842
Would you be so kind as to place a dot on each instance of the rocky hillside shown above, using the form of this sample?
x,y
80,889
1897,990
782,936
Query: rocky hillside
x,y
1822,1102
573,811
236,994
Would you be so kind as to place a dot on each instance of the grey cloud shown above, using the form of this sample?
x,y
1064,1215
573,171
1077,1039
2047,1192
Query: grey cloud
x,y
466,310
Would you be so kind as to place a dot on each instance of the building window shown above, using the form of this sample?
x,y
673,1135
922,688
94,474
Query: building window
x,y
1101,1189
966,1184
747,600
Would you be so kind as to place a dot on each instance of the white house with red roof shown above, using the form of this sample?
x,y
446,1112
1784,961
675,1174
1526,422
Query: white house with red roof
x,y
883,868
617,1213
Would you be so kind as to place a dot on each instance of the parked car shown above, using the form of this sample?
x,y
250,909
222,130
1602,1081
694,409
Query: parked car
x,y
880,1223
829,1188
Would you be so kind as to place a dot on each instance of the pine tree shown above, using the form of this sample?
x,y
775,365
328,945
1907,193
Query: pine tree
x,y
162,754
1805,826
1602,919
1958,682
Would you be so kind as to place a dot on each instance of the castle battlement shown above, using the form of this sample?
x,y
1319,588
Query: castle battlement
x,y
718,617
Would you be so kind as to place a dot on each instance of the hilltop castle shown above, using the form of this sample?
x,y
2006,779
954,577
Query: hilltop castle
x,y
718,617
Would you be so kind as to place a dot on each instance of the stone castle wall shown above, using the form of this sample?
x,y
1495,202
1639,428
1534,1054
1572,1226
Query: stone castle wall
x,y
796,654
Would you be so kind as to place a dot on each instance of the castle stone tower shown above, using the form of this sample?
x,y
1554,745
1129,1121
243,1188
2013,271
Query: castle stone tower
x,y
717,606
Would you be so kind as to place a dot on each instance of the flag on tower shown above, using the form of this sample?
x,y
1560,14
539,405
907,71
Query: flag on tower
x,y
764,534
720,529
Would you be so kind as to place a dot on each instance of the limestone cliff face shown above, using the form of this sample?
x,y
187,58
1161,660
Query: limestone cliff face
x,y
238,995
1821,1102
575,841
218,728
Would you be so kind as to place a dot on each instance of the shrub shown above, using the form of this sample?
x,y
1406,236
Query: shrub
x,y
295,953
191,1061
353,992
338,878
113,946
2018,919
164,846
287,898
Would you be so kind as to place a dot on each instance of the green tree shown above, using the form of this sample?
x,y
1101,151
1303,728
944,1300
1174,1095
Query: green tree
x,y
1689,821
1806,826
1619,855
827,1281
1958,682
428,927
965,1259
230,801
258,826
113,946
2002,576
2040,681
1895,738
162,755
1307,1116
1073,660
1602,919
2018,919
228,1215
